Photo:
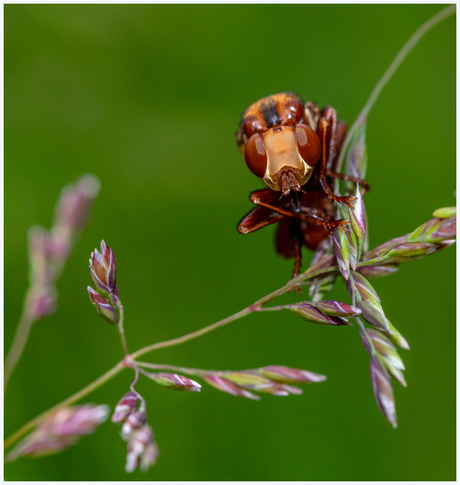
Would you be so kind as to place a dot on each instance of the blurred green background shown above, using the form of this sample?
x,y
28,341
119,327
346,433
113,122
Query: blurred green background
x,y
148,98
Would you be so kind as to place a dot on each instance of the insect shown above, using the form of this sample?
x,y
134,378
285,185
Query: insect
x,y
293,147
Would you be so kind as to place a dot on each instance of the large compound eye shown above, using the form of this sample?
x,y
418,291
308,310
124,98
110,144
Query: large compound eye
x,y
309,144
254,154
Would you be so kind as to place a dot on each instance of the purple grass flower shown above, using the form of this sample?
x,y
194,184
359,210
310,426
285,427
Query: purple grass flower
x,y
308,312
377,271
385,348
133,422
283,374
409,251
336,308
149,456
126,405
142,450
273,380
42,271
435,230
383,248
60,430
103,269
365,289
368,301
41,301
357,215
374,315
396,336
278,389
353,248
375,342
227,386
446,231
80,421
176,382
48,250
75,203
383,391
341,251
103,307
253,381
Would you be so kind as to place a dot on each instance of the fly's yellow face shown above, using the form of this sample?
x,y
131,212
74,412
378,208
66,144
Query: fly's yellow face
x,y
277,144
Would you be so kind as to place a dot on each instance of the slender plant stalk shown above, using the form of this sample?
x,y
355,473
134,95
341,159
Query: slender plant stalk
x,y
67,402
174,368
121,330
257,306
397,61
17,347
129,360
410,44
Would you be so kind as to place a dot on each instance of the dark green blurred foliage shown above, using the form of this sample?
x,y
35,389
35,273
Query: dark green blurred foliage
x,y
148,98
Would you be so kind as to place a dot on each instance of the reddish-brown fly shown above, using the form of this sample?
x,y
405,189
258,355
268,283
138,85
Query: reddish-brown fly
x,y
293,147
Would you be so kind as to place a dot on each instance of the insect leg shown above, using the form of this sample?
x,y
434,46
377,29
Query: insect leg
x,y
327,127
298,257
289,244
331,171
256,219
341,176
265,198
297,263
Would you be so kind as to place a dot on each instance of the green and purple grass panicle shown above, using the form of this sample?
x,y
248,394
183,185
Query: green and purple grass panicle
x,y
125,406
288,375
377,343
252,381
432,236
274,379
103,307
174,381
348,248
377,271
342,251
49,250
225,385
324,312
60,431
142,449
355,267
383,390
48,253
357,216
106,298
103,270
